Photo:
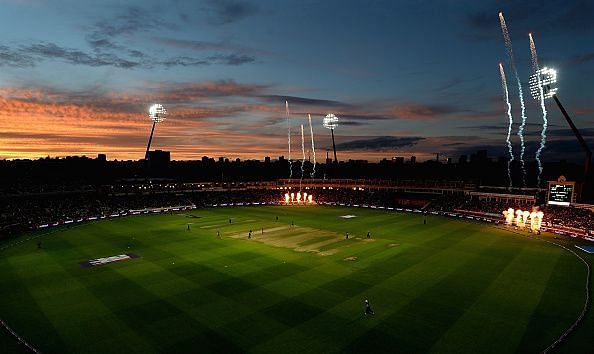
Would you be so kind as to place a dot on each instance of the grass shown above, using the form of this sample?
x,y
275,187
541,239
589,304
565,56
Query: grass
x,y
448,286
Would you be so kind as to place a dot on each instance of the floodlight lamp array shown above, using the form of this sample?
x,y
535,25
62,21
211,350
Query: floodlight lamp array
x,y
544,78
157,113
330,121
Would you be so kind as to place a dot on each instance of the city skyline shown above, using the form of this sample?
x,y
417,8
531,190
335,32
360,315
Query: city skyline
x,y
405,78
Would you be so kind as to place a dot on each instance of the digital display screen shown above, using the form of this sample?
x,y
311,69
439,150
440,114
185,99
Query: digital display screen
x,y
560,194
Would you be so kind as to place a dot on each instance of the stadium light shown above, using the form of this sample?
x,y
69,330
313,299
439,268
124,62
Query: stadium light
x,y
157,114
331,122
544,78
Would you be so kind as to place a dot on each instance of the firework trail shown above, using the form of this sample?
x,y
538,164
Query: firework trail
x,y
543,108
303,160
509,126
313,146
289,136
534,56
510,53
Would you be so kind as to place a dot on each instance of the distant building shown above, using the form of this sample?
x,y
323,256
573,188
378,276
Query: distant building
x,y
102,157
463,159
158,159
159,156
267,159
413,160
328,159
479,157
399,160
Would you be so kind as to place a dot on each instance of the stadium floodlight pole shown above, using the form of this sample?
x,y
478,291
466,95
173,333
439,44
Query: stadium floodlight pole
x,y
331,122
578,135
157,113
546,78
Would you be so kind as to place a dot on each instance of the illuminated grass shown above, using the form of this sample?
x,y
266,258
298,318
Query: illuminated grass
x,y
448,286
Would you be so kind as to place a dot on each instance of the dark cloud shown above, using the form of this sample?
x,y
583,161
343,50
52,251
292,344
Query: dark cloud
x,y
558,149
424,110
190,44
14,58
232,59
131,20
546,16
223,12
353,123
75,56
381,143
183,95
28,55
103,40
304,101
101,44
188,92
502,127
586,132
183,61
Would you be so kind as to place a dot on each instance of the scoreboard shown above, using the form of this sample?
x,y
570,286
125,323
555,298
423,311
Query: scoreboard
x,y
561,192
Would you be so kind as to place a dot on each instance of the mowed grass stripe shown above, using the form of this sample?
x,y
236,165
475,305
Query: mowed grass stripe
x,y
237,295
557,307
349,308
218,298
437,302
509,303
111,293
40,329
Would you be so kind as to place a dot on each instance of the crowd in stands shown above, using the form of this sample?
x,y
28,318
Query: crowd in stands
x,y
18,214
21,213
570,217
567,216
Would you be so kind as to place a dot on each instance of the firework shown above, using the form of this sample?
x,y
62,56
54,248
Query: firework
x,y
543,108
510,124
303,160
510,54
289,138
313,147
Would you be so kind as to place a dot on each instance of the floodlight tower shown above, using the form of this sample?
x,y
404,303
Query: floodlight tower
x,y
331,122
545,78
157,113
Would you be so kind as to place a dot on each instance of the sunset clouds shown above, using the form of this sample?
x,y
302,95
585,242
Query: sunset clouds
x,y
77,78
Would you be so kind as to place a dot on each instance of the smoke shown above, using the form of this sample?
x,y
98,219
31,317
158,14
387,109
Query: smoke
x,y
510,54
289,136
545,122
510,123
313,146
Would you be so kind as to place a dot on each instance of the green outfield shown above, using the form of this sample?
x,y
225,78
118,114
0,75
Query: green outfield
x,y
447,286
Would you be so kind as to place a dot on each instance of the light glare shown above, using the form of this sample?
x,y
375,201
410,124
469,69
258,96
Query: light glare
x,y
330,121
544,78
157,113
